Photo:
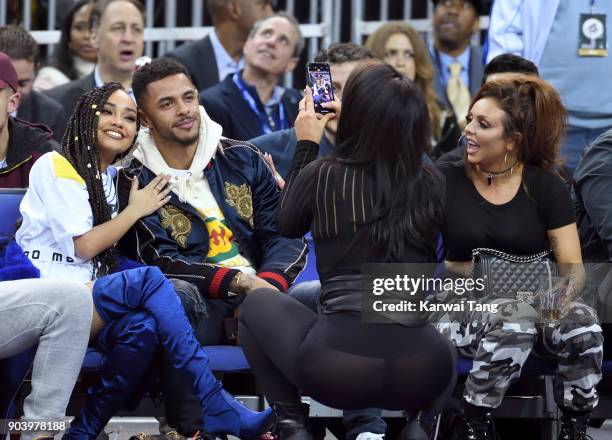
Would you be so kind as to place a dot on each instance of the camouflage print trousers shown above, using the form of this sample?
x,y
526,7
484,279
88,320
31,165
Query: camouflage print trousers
x,y
500,343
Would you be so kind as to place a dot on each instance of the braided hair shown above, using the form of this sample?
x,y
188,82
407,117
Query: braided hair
x,y
80,148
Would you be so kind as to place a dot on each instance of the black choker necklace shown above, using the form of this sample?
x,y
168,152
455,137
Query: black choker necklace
x,y
491,174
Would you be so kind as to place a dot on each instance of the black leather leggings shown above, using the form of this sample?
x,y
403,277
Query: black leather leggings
x,y
339,361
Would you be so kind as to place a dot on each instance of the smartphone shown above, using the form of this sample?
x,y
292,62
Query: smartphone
x,y
318,78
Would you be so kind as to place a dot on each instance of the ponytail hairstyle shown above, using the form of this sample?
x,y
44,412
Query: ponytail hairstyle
x,y
535,117
80,148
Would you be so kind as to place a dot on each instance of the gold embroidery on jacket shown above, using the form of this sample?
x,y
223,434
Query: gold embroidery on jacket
x,y
241,198
178,223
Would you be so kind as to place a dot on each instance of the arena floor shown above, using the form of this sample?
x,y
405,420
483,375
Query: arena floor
x,y
122,428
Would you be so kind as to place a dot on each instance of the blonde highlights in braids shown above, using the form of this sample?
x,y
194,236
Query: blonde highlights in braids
x,y
80,148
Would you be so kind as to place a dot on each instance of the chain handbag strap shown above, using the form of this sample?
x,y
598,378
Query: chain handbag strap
x,y
501,276
509,257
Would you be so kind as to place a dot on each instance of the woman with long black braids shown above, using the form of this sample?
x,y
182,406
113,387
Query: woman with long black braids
x,y
70,225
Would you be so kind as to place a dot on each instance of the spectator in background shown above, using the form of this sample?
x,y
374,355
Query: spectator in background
x,y
34,107
399,44
219,53
342,59
21,143
117,28
75,56
457,63
217,234
506,64
550,34
592,193
251,102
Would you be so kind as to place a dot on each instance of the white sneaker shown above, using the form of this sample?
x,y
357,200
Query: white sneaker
x,y
370,436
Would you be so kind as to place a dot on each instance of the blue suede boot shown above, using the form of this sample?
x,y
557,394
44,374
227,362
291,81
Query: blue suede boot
x,y
148,289
131,343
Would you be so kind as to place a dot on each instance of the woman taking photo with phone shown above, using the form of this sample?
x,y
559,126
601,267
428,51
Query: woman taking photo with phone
x,y
371,201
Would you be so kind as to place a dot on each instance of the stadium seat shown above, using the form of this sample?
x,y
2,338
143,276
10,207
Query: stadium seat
x,y
223,359
310,270
14,369
9,200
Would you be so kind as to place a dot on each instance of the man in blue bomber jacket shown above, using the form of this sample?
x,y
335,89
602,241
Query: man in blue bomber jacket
x,y
217,236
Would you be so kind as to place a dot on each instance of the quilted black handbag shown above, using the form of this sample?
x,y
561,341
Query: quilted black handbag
x,y
512,276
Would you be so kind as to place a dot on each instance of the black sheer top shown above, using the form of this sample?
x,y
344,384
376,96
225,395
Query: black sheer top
x,y
333,201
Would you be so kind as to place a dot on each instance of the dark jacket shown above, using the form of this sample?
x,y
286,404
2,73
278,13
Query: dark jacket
x,y
68,95
475,74
199,59
282,145
41,109
27,142
226,106
592,193
247,195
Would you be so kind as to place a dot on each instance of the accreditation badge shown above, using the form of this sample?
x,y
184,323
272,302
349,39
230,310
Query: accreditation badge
x,y
593,41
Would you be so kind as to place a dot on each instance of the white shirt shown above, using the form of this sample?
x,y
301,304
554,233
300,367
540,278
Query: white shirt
x,y
55,210
3,163
225,64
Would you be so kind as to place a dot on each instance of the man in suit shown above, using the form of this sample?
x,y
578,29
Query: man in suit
x,y
117,28
458,64
34,107
251,102
219,53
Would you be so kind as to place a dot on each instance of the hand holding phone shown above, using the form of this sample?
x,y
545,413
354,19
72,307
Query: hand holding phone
x,y
318,78
308,125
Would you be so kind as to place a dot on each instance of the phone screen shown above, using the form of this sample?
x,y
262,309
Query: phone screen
x,y
320,82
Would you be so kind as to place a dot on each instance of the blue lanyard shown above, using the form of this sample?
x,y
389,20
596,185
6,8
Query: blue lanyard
x,y
265,121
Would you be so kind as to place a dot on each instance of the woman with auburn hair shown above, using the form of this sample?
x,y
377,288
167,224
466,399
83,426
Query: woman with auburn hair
x,y
400,45
508,195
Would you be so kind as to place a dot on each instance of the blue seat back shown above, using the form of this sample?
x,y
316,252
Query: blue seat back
x,y
14,369
310,270
10,199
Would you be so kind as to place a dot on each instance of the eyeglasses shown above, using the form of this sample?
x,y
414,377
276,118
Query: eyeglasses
x,y
459,4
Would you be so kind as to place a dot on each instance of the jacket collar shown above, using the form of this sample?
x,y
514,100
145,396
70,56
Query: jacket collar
x,y
23,136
